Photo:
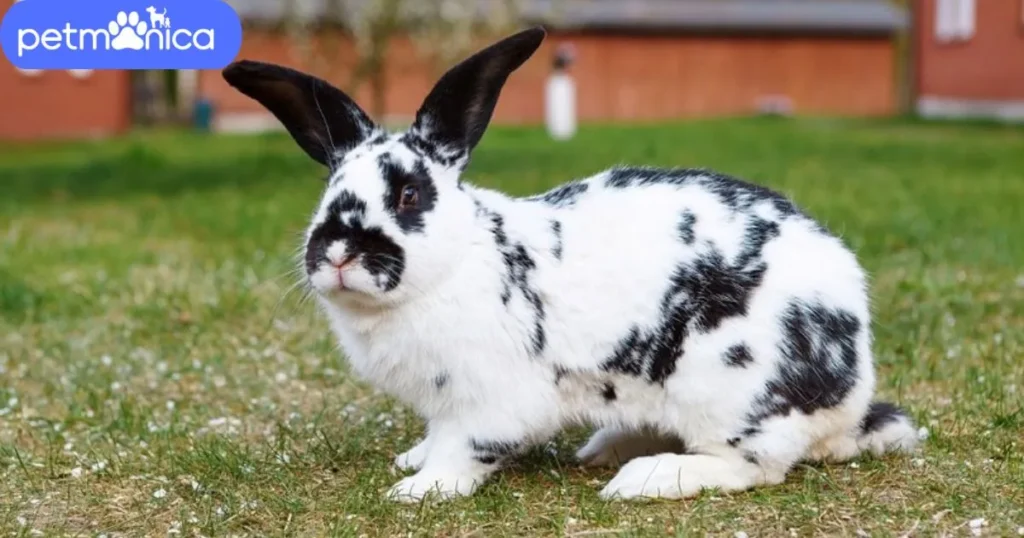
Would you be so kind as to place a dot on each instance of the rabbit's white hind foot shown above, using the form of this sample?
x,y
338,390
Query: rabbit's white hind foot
x,y
613,446
678,476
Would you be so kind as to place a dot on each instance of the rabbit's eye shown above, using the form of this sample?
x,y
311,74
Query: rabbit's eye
x,y
410,195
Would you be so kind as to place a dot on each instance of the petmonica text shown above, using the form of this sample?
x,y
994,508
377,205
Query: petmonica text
x,y
120,34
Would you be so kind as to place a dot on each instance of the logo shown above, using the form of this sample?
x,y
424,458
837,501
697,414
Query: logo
x,y
120,34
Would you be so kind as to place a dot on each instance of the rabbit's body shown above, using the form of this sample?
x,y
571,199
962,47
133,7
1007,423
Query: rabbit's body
x,y
715,333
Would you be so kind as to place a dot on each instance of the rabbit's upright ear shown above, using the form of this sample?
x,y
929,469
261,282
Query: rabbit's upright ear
x,y
321,118
456,112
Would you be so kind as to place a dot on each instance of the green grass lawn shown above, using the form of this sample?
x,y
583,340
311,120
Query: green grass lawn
x,y
156,378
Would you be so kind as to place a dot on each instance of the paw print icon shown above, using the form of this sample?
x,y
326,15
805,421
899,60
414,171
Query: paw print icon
x,y
127,31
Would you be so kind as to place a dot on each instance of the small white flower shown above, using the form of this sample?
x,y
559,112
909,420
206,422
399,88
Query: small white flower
x,y
76,472
854,465
98,466
917,462
281,377
115,386
922,433
22,521
1020,531
739,534
106,360
160,493
976,524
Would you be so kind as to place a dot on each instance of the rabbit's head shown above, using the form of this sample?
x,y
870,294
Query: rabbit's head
x,y
393,220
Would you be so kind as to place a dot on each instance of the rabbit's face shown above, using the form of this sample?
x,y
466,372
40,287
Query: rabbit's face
x,y
391,222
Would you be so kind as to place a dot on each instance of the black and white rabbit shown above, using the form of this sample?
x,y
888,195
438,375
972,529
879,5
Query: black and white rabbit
x,y
715,333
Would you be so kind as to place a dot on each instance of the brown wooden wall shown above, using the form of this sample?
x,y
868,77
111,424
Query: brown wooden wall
x,y
54,104
636,77
989,66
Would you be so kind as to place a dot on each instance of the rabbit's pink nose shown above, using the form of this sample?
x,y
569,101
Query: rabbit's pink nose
x,y
339,269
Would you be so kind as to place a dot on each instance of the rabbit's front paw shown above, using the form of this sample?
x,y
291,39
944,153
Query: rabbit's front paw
x,y
442,485
412,460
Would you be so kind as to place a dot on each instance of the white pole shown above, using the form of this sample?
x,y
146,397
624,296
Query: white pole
x,y
560,98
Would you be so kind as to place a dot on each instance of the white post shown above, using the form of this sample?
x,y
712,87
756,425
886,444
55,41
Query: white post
x,y
560,98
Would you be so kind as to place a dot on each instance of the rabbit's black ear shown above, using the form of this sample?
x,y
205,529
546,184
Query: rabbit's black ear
x,y
458,109
321,118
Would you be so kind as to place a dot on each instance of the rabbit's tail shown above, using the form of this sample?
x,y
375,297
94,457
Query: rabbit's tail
x,y
884,428
887,428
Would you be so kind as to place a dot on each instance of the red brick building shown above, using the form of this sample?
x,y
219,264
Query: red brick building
x,y
61,104
969,58
644,60
636,60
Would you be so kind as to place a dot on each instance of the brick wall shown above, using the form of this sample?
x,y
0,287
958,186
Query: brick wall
x,y
988,66
54,104
632,77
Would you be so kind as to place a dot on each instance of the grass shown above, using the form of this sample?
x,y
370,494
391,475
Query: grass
x,y
155,378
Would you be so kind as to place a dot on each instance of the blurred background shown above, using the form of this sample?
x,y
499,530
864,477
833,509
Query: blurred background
x,y
162,371
634,60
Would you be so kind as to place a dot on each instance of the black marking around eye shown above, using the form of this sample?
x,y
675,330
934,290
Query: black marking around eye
x,y
565,195
396,178
440,380
818,365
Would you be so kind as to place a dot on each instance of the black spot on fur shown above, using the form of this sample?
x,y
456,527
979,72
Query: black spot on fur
x,y
397,178
440,380
739,195
379,254
750,457
443,154
565,195
556,228
560,373
489,452
880,415
819,361
700,295
608,392
745,434
518,267
738,356
686,233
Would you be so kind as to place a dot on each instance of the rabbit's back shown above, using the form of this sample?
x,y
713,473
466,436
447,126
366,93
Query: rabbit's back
x,y
690,285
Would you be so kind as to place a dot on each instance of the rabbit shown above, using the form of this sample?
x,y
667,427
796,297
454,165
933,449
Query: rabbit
x,y
712,331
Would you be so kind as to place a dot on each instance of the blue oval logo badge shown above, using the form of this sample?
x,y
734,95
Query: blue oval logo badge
x,y
121,34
